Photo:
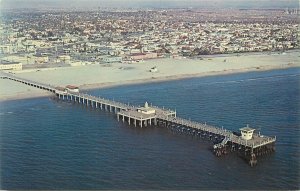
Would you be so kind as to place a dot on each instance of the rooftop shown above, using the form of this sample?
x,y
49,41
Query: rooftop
x,y
71,87
5,62
247,129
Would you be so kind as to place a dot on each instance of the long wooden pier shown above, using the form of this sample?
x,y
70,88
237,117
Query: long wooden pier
x,y
42,86
248,143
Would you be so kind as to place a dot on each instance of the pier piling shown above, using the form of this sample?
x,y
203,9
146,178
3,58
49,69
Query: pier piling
x,y
248,145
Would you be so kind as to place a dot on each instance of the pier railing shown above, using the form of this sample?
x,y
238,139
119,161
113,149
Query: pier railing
x,y
39,85
254,143
161,113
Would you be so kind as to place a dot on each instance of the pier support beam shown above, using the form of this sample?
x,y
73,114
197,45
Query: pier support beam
x,y
253,160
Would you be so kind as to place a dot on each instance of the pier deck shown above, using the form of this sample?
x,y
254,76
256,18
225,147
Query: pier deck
x,y
153,115
257,140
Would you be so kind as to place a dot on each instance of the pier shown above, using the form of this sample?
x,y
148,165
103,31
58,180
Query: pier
x,y
247,143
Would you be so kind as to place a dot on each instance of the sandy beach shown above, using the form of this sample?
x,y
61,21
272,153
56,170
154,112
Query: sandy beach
x,y
99,76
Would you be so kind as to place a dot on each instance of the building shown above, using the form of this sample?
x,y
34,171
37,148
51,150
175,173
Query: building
x,y
41,58
6,65
60,90
142,56
247,132
64,58
5,49
146,109
71,88
112,59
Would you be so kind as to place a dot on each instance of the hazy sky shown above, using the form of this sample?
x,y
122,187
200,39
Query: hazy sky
x,y
148,3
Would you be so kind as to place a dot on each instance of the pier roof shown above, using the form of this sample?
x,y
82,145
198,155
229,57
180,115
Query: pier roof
x,y
136,115
248,129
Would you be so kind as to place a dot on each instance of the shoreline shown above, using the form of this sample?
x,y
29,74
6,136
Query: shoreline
x,y
208,56
87,87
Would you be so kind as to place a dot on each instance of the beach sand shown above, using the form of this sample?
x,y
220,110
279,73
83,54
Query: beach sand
x,y
99,76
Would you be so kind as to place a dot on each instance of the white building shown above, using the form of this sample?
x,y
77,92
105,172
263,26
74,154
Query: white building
x,y
112,59
247,132
71,88
146,109
5,65
60,90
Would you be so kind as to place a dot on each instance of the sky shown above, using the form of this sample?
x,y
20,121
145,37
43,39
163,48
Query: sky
x,y
149,3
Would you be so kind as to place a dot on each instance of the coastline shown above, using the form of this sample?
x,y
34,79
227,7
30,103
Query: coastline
x,y
180,77
87,87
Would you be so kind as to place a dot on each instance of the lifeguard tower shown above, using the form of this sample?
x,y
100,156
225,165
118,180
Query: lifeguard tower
x,y
247,132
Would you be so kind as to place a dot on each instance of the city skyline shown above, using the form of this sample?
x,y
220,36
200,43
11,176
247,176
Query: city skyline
x,y
94,4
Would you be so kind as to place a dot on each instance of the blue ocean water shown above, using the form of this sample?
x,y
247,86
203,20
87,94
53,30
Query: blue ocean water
x,y
49,144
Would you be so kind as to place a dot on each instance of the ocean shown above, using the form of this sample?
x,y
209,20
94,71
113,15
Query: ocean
x,y
50,144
